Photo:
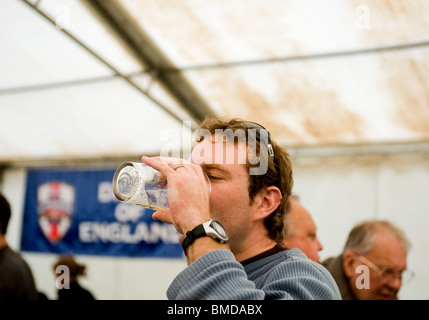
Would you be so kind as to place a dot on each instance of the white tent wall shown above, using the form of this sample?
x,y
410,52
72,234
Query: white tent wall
x,y
339,191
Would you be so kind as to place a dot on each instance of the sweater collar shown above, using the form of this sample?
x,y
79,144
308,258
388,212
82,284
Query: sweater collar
x,y
276,249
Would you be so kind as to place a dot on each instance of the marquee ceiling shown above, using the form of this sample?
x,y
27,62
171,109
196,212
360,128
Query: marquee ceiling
x,y
109,79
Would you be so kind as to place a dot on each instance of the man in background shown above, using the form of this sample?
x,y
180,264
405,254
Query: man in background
x,y
16,279
300,231
373,265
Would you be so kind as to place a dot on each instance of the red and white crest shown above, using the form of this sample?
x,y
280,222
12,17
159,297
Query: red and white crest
x,y
55,203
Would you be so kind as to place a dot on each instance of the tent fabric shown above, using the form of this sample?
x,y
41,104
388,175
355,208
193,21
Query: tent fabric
x,y
344,73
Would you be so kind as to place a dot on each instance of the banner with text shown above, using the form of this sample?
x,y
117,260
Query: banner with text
x,y
74,211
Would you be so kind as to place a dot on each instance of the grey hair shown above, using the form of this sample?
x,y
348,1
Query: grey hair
x,y
362,237
288,229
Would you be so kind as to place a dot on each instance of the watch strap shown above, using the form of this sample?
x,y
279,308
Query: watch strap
x,y
196,233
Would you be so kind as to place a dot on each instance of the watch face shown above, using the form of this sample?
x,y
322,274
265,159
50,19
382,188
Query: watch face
x,y
218,227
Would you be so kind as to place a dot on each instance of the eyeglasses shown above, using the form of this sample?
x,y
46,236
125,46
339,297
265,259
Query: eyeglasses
x,y
388,274
266,142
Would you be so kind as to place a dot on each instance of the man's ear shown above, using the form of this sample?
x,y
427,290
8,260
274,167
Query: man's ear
x,y
349,261
269,201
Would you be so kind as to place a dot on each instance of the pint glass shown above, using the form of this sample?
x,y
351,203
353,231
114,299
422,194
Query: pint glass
x,y
140,184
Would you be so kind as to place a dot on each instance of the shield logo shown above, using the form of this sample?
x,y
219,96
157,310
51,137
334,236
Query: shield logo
x,y
55,204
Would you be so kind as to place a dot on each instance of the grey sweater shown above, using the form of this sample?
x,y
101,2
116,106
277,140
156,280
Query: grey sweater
x,y
288,274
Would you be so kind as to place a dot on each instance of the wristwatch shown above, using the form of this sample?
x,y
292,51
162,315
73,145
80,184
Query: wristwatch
x,y
211,228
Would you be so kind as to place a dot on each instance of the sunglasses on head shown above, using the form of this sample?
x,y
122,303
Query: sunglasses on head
x,y
266,142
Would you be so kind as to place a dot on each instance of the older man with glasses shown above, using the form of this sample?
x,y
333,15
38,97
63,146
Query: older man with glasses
x,y
373,265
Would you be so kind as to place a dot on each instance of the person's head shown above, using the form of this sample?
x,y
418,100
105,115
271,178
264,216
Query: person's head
x,y
381,249
249,186
5,213
300,231
71,267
